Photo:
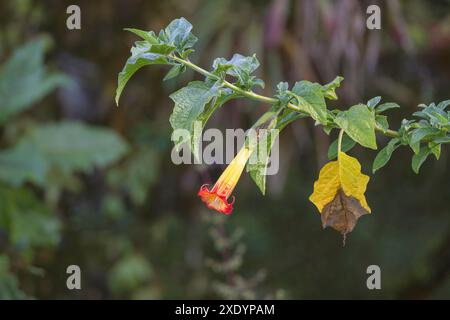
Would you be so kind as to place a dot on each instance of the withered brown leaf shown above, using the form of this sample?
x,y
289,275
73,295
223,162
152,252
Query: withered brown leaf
x,y
342,213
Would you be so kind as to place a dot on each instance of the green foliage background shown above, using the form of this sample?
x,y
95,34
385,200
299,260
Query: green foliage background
x,y
84,182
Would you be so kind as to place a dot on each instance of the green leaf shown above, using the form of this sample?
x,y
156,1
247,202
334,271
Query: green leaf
x,y
163,48
435,116
386,106
312,98
175,71
178,33
241,68
419,134
330,88
282,93
258,163
435,150
385,154
24,79
444,104
359,123
140,57
419,159
217,102
225,95
282,87
237,65
347,144
67,146
27,221
148,36
372,103
154,50
71,146
445,139
382,122
190,103
24,162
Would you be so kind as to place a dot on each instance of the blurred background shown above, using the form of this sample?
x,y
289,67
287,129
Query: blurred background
x,y
84,182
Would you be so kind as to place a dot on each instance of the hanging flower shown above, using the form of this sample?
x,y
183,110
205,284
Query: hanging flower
x,y
217,197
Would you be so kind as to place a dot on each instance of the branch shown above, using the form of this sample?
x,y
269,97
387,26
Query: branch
x,y
257,97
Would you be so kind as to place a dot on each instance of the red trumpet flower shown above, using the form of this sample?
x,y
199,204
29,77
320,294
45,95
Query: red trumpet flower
x,y
217,197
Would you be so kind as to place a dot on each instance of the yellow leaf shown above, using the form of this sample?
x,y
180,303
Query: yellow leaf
x,y
339,193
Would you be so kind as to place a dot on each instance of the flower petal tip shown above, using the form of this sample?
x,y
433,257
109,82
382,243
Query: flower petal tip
x,y
215,201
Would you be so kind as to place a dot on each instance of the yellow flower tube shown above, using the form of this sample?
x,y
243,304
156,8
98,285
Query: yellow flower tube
x,y
217,197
